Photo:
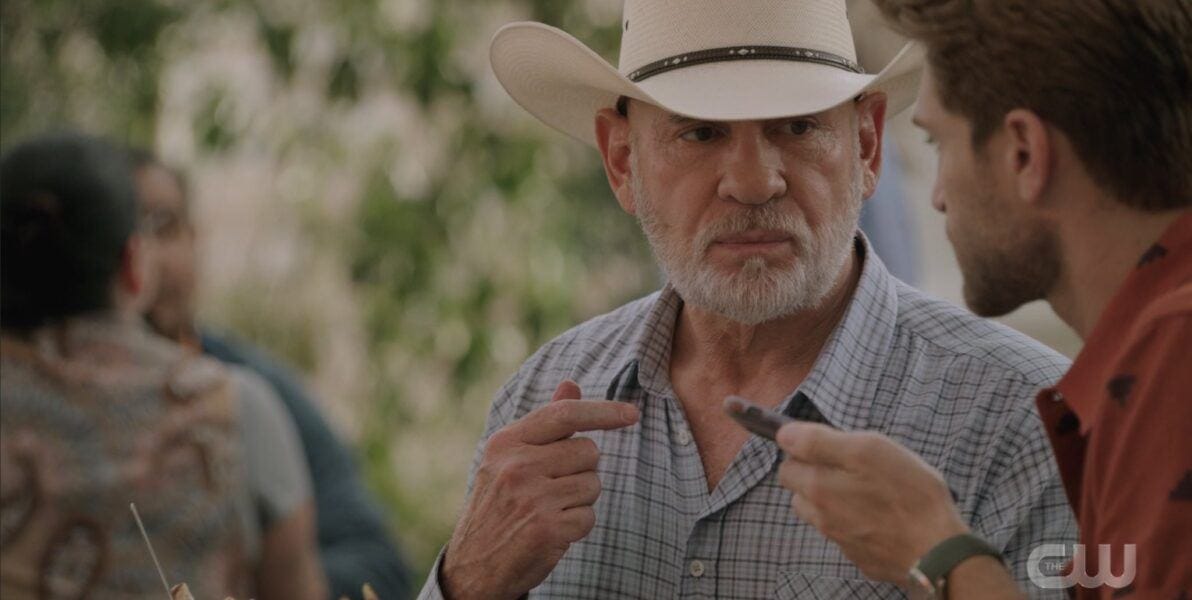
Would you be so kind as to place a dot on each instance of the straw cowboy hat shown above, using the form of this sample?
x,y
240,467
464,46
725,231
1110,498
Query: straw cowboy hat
x,y
720,60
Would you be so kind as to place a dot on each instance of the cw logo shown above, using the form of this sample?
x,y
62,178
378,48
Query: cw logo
x,y
1053,555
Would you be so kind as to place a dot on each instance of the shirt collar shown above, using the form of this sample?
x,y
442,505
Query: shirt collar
x,y
845,377
844,380
1162,268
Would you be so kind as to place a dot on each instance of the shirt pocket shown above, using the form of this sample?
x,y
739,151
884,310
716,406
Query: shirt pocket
x,y
813,586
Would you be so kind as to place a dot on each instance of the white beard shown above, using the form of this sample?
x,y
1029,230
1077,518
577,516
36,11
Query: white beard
x,y
758,291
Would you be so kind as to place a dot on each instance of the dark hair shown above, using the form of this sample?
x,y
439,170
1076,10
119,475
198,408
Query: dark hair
x,y
67,210
1115,76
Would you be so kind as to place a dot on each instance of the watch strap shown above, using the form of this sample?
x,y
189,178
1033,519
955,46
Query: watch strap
x,y
940,560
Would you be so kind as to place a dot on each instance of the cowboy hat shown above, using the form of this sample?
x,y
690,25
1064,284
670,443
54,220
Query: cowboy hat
x,y
719,60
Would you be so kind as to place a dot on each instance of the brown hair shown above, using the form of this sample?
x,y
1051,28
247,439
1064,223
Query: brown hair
x,y
1115,76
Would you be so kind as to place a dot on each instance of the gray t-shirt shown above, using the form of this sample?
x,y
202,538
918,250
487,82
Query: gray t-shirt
x,y
277,479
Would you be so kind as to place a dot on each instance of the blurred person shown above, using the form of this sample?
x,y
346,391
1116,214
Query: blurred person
x,y
354,545
744,137
1064,132
98,411
888,223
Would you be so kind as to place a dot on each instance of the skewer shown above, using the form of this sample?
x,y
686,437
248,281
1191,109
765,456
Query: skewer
x,y
152,554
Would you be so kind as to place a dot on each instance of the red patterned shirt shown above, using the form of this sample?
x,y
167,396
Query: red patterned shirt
x,y
1120,423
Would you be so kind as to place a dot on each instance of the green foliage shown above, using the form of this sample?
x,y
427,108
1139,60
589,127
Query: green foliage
x,y
372,211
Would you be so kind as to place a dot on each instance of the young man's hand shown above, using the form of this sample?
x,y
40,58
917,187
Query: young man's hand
x,y
878,501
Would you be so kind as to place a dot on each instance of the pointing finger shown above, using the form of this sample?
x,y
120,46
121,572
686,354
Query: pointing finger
x,y
563,418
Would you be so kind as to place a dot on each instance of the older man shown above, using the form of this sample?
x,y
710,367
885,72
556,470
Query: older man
x,y
1065,138
744,136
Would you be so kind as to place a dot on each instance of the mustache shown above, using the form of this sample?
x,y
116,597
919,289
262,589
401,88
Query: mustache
x,y
766,216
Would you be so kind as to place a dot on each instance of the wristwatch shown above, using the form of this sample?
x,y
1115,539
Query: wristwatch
x,y
928,578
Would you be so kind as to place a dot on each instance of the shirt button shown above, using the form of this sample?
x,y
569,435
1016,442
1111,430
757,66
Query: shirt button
x,y
697,568
683,437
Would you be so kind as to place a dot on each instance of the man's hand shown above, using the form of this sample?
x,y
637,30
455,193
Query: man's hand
x,y
878,501
532,497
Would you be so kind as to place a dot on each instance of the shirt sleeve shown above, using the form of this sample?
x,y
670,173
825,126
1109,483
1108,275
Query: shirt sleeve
x,y
276,475
1140,471
1028,507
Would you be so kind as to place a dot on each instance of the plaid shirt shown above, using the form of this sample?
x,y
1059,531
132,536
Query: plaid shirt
x,y
954,388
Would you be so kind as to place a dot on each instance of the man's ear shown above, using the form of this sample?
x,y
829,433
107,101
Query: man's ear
x,y
871,126
136,282
612,137
1028,154
131,278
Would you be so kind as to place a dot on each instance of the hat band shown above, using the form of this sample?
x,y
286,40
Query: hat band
x,y
700,57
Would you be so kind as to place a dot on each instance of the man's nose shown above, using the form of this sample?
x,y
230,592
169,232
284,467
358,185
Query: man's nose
x,y
753,170
937,199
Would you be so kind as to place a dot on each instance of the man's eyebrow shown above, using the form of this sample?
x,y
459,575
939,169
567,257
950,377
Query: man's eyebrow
x,y
680,119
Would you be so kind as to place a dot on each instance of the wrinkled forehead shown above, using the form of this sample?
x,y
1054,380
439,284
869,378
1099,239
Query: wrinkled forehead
x,y
929,107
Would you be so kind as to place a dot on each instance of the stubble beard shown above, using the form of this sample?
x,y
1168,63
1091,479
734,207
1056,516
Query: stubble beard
x,y
1007,259
1001,276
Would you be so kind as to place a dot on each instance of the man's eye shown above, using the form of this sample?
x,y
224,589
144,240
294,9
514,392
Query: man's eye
x,y
800,127
160,223
700,134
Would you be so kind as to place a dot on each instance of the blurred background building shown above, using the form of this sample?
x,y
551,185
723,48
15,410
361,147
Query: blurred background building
x,y
371,205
